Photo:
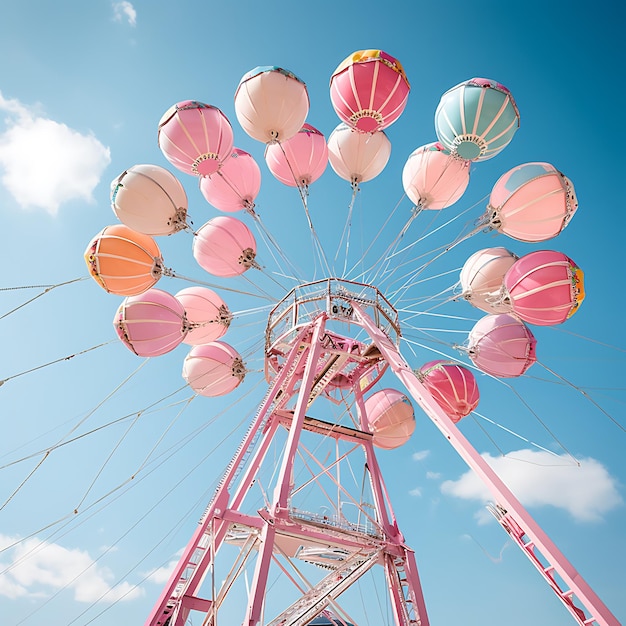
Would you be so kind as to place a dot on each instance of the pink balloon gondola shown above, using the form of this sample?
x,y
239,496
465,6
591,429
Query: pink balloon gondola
x,y
225,247
434,179
502,345
208,316
195,137
300,160
152,323
235,185
532,202
544,287
369,90
213,369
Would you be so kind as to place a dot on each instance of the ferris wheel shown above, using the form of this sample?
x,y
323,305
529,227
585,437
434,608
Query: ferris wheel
x,y
303,499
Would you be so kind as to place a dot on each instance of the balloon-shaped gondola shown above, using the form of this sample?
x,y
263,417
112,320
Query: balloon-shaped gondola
x,y
208,316
195,137
151,323
452,386
544,287
390,418
123,261
501,345
225,246
476,119
150,200
300,160
532,202
271,104
482,276
213,369
369,90
433,178
235,185
357,157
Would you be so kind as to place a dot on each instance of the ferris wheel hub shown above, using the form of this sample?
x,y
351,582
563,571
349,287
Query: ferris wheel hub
x,y
348,355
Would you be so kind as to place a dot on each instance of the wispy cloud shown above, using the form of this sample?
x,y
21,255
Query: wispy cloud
x,y
162,574
125,11
46,163
587,492
35,568
420,455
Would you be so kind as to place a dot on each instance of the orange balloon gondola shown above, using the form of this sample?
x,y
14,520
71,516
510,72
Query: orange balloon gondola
x,y
123,261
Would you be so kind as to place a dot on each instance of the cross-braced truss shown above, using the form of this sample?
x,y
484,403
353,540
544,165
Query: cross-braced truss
x,y
302,512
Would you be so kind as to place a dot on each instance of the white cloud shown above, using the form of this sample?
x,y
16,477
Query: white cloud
x,y
433,475
46,163
538,478
420,455
162,574
37,568
125,10
415,492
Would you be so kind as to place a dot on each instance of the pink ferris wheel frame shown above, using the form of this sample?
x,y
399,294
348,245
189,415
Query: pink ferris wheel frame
x,y
304,355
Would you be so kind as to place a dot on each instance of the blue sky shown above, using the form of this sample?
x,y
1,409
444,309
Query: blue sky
x,y
82,88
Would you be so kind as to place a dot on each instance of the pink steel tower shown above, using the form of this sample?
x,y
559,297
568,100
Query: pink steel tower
x,y
290,510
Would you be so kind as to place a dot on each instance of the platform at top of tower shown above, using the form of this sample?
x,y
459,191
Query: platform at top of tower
x,y
333,297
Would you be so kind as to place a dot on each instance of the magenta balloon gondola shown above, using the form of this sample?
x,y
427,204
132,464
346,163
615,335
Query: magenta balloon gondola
x,y
369,90
544,287
453,387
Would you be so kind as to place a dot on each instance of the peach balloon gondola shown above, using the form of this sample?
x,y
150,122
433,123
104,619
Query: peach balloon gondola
x,y
150,200
213,369
195,137
123,261
151,323
544,287
369,90
501,345
482,277
271,104
390,418
357,157
208,316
